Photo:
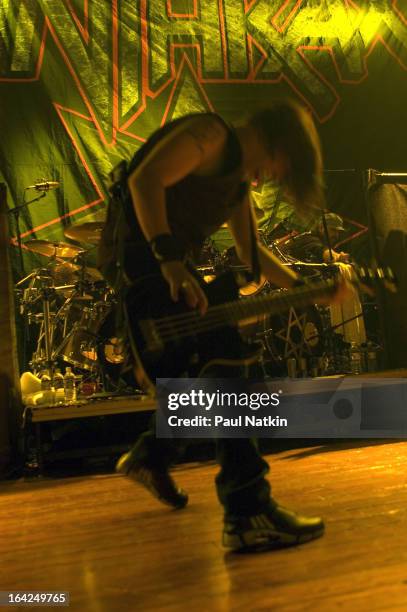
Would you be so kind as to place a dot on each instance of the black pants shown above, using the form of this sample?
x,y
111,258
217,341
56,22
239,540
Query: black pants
x,y
241,485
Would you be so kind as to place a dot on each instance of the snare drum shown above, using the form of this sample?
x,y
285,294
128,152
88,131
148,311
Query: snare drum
x,y
231,261
252,288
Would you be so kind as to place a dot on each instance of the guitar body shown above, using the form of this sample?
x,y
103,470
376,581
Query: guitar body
x,y
193,354
170,340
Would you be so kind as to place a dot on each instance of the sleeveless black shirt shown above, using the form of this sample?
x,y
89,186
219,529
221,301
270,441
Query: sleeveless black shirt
x,y
196,206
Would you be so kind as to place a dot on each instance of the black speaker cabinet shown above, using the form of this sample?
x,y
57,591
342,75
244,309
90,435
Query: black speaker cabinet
x,y
386,199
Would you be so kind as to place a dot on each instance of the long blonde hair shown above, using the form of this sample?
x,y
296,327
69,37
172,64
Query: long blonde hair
x,y
287,127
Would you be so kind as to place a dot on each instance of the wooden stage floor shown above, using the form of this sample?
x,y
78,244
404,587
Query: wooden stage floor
x,y
115,548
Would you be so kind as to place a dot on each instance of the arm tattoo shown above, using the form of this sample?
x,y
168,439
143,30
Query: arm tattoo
x,y
205,132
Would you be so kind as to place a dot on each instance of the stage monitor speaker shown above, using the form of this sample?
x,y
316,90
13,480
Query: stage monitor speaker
x,y
386,197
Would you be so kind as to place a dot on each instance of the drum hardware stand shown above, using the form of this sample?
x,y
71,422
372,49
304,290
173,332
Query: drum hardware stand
x,y
336,348
46,293
67,303
331,328
44,356
32,276
277,251
78,290
82,284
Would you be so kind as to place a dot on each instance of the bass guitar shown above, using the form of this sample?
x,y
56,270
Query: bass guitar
x,y
169,340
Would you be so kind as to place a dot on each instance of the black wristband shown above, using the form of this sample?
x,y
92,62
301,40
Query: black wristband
x,y
166,248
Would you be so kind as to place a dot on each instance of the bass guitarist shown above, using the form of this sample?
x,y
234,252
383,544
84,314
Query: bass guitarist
x,y
191,176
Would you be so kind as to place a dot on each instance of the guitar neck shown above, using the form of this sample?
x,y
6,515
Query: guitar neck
x,y
233,312
157,332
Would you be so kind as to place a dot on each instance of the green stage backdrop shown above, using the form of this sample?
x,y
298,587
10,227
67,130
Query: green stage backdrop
x,y
84,82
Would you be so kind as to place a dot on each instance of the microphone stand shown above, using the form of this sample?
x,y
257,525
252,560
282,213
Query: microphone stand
x,y
16,213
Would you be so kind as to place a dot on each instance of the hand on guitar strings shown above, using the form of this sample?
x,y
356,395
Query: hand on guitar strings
x,y
344,257
182,282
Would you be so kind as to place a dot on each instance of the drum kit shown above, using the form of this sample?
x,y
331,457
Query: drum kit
x,y
315,340
71,306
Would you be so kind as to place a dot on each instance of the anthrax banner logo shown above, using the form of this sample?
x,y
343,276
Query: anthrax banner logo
x,y
121,54
111,71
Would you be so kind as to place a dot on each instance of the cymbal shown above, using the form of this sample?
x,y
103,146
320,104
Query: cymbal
x,y
85,232
53,249
93,274
64,273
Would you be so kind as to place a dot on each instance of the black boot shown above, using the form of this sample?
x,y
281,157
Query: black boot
x,y
277,527
157,481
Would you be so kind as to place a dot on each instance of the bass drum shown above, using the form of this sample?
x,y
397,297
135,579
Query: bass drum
x,y
296,334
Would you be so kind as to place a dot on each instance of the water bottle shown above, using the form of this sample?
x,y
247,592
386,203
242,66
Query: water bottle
x,y
371,357
59,386
46,388
303,367
292,367
355,359
69,385
314,367
58,379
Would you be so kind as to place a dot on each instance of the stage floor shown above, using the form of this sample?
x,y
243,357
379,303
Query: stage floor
x,y
113,547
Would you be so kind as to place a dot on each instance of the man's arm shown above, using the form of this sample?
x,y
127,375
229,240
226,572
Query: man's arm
x,y
194,146
270,266
197,146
